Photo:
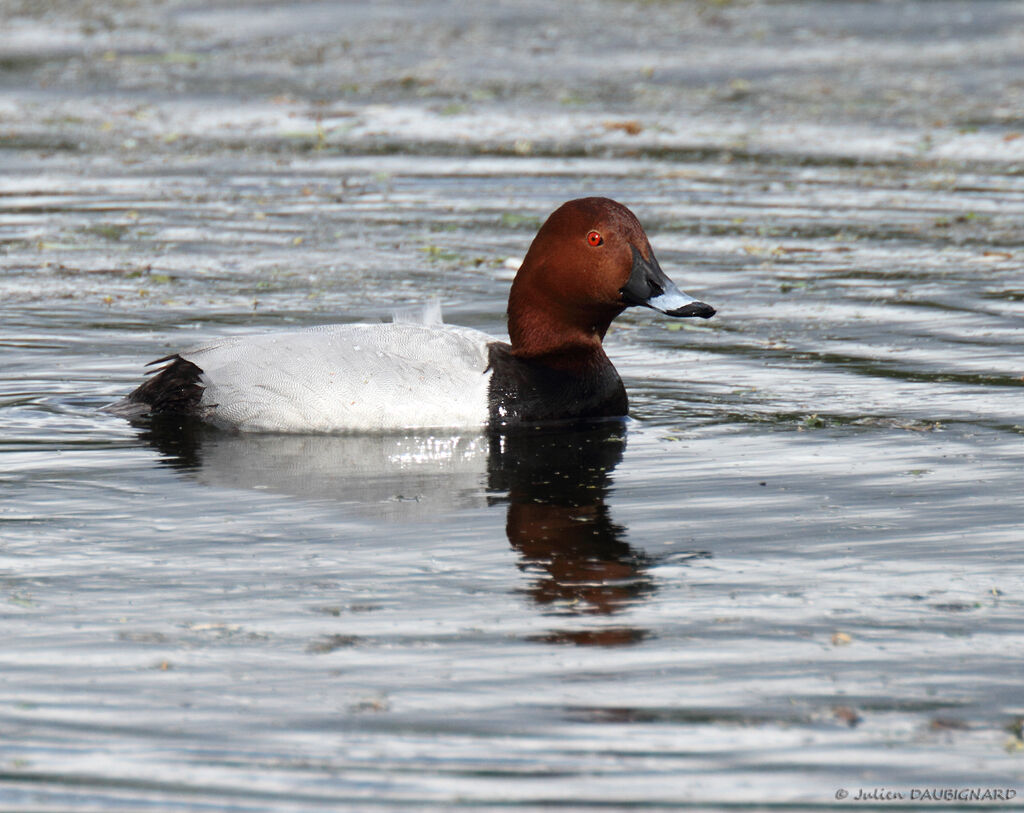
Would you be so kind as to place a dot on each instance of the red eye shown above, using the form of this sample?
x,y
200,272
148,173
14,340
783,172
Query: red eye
x,y
595,239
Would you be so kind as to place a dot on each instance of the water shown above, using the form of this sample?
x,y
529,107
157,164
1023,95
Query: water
x,y
797,569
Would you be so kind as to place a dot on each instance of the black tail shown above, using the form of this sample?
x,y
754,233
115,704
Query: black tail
x,y
174,390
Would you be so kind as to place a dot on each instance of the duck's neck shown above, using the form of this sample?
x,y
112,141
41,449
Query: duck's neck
x,y
552,335
556,368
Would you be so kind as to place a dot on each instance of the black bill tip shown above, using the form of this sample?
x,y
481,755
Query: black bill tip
x,y
701,309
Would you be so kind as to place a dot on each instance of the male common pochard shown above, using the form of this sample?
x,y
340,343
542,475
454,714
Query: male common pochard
x,y
590,261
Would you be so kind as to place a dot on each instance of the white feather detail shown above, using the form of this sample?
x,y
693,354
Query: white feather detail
x,y
429,313
346,378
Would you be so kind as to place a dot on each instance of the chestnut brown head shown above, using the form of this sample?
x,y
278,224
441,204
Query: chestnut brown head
x,y
590,260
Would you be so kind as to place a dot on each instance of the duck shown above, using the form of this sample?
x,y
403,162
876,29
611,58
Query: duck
x,y
589,261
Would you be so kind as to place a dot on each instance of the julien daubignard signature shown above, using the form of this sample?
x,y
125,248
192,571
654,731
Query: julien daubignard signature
x,y
928,795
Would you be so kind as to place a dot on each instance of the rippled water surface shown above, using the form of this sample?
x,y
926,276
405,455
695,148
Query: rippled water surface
x,y
798,568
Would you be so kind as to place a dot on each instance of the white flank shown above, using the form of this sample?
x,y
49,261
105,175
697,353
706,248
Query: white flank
x,y
346,378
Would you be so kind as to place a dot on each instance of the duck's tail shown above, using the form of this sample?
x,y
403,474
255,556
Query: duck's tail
x,y
174,389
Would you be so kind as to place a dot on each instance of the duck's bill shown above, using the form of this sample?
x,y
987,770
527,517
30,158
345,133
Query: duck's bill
x,y
675,303
650,287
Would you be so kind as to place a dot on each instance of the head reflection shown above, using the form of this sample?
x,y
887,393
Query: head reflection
x,y
558,521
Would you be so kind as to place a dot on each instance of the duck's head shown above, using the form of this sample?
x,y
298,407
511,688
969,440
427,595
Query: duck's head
x,y
590,261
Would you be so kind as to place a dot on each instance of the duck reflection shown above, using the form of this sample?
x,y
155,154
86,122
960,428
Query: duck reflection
x,y
380,477
558,521
555,482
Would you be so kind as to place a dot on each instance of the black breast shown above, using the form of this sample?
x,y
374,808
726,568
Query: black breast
x,y
529,391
